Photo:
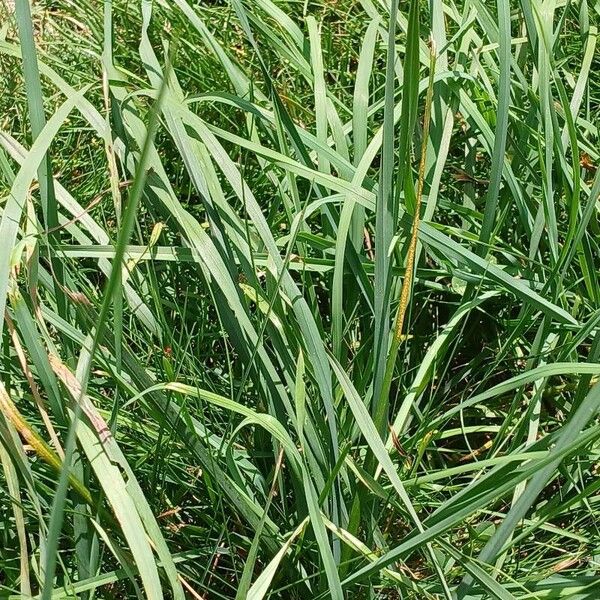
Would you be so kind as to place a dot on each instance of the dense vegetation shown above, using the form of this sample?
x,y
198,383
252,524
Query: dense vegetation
x,y
299,299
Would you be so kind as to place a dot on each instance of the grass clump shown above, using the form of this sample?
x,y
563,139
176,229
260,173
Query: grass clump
x,y
299,300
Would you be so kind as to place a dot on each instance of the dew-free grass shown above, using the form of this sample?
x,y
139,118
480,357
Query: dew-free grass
x,y
300,300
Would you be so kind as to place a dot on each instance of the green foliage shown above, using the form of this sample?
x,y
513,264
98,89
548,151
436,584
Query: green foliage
x,y
299,300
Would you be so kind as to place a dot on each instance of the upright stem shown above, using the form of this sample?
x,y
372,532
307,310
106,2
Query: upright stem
x,y
412,248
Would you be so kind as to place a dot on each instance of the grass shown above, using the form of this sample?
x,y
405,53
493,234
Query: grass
x,y
299,300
